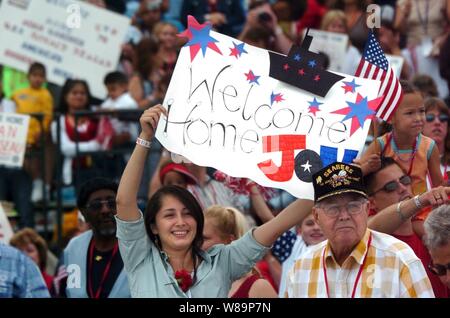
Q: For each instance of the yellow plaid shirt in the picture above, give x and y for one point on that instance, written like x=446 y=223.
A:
x=392 y=270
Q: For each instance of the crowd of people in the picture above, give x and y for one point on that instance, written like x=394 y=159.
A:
x=147 y=226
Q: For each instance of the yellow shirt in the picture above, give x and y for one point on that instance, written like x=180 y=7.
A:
x=391 y=270
x=29 y=100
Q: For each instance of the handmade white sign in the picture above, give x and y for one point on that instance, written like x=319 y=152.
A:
x=396 y=62
x=6 y=231
x=71 y=38
x=333 y=44
x=230 y=107
x=13 y=139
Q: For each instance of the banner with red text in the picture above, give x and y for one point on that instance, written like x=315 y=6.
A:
x=71 y=38
x=251 y=113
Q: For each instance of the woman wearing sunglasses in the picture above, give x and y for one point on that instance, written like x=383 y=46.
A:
x=437 y=239
x=437 y=128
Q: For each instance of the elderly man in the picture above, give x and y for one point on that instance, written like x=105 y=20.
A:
x=92 y=259
x=437 y=239
x=392 y=200
x=354 y=261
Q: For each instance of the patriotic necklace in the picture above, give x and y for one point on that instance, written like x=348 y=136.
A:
x=411 y=157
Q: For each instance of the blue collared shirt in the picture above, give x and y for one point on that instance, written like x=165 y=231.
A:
x=150 y=274
x=19 y=276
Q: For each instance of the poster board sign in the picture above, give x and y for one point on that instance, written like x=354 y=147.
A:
x=396 y=62
x=225 y=111
x=333 y=44
x=71 y=38
x=13 y=139
x=6 y=231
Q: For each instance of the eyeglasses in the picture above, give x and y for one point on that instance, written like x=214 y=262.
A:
x=392 y=186
x=430 y=118
x=96 y=205
x=439 y=270
x=353 y=207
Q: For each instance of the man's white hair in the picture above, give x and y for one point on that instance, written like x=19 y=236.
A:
x=437 y=227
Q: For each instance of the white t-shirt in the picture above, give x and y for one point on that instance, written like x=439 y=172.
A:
x=7 y=106
x=297 y=250
x=124 y=101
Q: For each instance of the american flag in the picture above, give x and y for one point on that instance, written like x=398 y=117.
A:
x=374 y=65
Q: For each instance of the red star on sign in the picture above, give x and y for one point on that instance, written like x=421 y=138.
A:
x=347 y=89
x=301 y=72
x=234 y=52
x=317 y=78
x=286 y=67
x=313 y=110
x=371 y=104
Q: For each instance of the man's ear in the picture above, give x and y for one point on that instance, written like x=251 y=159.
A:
x=372 y=203
x=315 y=214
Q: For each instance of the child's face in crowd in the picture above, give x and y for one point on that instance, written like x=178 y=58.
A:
x=116 y=90
x=77 y=97
x=36 y=79
x=409 y=118
x=211 y=235
x=174 y=178
x=311 y=232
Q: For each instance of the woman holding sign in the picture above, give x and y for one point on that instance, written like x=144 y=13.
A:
x=162 y=251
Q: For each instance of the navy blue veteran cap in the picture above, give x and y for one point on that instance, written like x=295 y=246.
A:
x=338 y=178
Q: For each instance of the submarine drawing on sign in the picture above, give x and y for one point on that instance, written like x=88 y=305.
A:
x=303 y=69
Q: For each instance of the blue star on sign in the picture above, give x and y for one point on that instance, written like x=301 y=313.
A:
x=238 y=50
x=360 y=110
x=312 y=63
x=350 y=86
x=202 y=38
x=314 y=103
x=297 y=57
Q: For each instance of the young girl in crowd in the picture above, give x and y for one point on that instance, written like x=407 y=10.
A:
x=416 y=154
x=224 y=225
x=162 y=253
x=309 y=234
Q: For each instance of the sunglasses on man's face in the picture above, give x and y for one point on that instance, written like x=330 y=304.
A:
x=392 y=186
x=96 y=205
x=439 y=270
x=430 y=118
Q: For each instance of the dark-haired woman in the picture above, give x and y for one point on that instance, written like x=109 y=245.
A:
x=162 y=251
x=90 y=133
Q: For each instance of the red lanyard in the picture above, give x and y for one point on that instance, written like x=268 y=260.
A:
x=388 y=141
x=358 y=276
x=105 y=271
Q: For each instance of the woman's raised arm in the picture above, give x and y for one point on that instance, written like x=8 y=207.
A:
x=127 y=208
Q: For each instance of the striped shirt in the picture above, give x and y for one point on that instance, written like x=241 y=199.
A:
x=391 y=270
